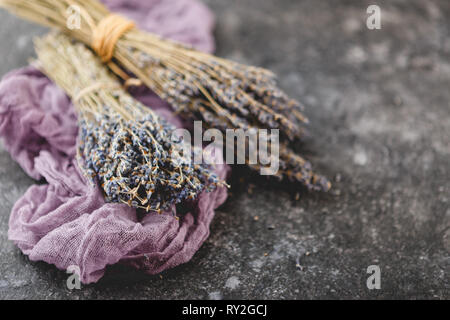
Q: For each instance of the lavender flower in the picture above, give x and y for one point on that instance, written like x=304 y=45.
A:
x=123 y=146
x=223 y=93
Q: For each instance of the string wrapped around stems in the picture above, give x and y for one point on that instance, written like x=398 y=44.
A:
x=222 y=93
x=124 y=146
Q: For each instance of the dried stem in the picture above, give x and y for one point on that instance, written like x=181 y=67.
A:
x=223 y=93
x=123 y=145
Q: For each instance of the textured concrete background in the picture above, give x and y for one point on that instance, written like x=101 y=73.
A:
x=379 y=107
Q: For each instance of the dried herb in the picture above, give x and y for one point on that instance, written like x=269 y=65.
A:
x=123 y=145
x=220 y=92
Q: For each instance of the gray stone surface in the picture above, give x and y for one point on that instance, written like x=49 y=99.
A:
x=380 y=127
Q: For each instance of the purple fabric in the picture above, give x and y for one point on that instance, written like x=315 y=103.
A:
x=66 y=222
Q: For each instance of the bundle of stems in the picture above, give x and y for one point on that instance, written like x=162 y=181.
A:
x=124 y=146
x=222 y=93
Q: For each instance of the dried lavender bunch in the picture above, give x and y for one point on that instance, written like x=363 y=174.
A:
x=222 y=93
x=123 y=145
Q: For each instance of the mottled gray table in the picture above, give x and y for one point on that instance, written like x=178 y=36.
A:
x=378 y=101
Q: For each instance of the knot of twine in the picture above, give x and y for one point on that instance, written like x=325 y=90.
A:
x=106 y=34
